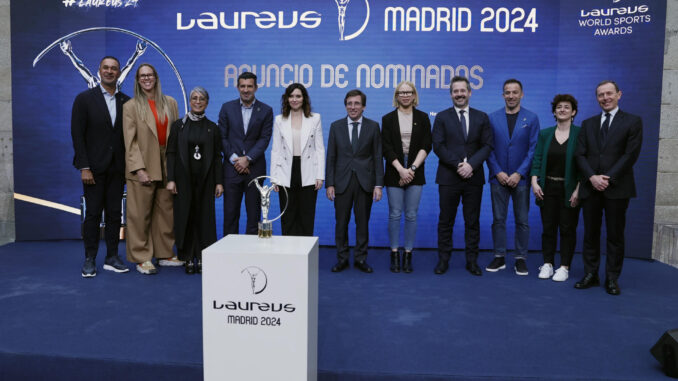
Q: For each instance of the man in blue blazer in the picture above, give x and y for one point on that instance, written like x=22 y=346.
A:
x=246 y=125
x=354 y=176
x=462 y=140
x=608 y=146
x=96 y=129
x=516 y=131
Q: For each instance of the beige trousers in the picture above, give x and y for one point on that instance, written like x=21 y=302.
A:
x=150 y=224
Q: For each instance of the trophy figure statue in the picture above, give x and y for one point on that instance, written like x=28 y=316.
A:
x=93 y=81
x=341 y=5
x=265 y=225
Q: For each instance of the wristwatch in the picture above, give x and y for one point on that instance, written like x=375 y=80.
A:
x=413 y=168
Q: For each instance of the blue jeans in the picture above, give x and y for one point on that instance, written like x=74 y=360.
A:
x=521 y=205
x=399 y=198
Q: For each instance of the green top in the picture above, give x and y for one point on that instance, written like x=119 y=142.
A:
x=539 y=162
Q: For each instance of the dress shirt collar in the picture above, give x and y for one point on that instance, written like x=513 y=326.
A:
x=360 y=121
x=106 y=93
x=242 y=105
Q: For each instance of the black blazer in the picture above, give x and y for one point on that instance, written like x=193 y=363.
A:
x=366 y=161
x=450 y=147
x=97 y=141
x=393 y=149
x=614 y=159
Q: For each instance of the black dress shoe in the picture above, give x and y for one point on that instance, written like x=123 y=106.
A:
x=441 y=267
x=363 y=266
x=612 y=287
x=473 y=268
x=407 y=262
x=589 y=280
x=189 y=266
x=340 y=266
x=395 y=261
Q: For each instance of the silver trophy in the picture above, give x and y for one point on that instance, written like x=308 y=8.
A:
x=265 y=225
x=341 y=5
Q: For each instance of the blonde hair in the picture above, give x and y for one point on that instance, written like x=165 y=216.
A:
x=415 y=94
x=161 y=101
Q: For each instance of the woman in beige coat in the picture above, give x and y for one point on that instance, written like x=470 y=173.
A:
x=146 y=121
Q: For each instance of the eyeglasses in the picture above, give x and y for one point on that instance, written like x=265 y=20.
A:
x=146 y=76
x=405 y=93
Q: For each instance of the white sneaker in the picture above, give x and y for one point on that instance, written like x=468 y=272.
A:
x=561 y=274
x=147 y=268
x=546 y=271
x=174 y=261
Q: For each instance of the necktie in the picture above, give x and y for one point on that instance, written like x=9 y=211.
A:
x=463 y=123
x=605 y=128
x=354 y=136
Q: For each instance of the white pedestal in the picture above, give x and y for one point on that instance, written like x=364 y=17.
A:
x=260 y=308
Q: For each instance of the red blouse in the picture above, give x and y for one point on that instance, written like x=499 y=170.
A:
x=160 y=127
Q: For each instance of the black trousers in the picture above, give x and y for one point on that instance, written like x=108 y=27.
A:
x=470 y=197
x=233 y=192
x=615 y=223
x=106 y=195
x=299 y=218
x=356 y=198
x=556 y=216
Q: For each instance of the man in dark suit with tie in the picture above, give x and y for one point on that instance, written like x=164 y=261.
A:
x=96 y=129
x=462 y=140
x=246 y=126
x=354 y=177
x=607 y=148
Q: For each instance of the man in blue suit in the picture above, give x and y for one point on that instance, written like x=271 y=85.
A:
x=516 y=131
x=246 y=126
x=462 y=140
x=354 y=175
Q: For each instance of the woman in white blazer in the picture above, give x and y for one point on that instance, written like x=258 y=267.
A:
x=298 y=160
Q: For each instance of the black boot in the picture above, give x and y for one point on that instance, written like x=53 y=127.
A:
x=395 y=261
x=189 y=266
x=407 y=262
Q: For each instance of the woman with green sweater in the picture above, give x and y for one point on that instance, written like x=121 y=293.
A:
x=555 y=184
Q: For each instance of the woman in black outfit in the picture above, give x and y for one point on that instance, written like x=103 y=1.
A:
x=406 y=141
x=195 y=177
x=555 y=184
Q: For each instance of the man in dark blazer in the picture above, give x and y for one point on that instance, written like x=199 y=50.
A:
x=96 y=129
x=607 y=148
x=462 y=140
x=246 y=125
x=354 y=177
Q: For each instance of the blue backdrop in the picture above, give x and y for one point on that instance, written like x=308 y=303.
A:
x=551 y=46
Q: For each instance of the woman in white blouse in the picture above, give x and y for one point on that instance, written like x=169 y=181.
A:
x=298 y=160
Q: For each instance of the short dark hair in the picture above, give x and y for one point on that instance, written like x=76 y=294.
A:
x=512 y=80
x=458 y=78
x=285 y=101
x=564 y=98
x=110 y=58
x=355 y=92
x=247 y=75
x=605 y=82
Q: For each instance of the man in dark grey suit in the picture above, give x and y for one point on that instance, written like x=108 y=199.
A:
x=354 y=177
x=462 y=140
x=96 y=129
x=607 y=148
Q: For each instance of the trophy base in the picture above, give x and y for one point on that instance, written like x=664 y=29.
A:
x=265 y=230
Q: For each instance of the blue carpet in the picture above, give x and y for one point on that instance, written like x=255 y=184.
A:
x=55 y=325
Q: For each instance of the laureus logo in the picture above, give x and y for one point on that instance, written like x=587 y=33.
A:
x=258 y=279
x=341 y=10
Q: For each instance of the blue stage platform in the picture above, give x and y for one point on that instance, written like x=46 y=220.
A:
x=55 y=325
